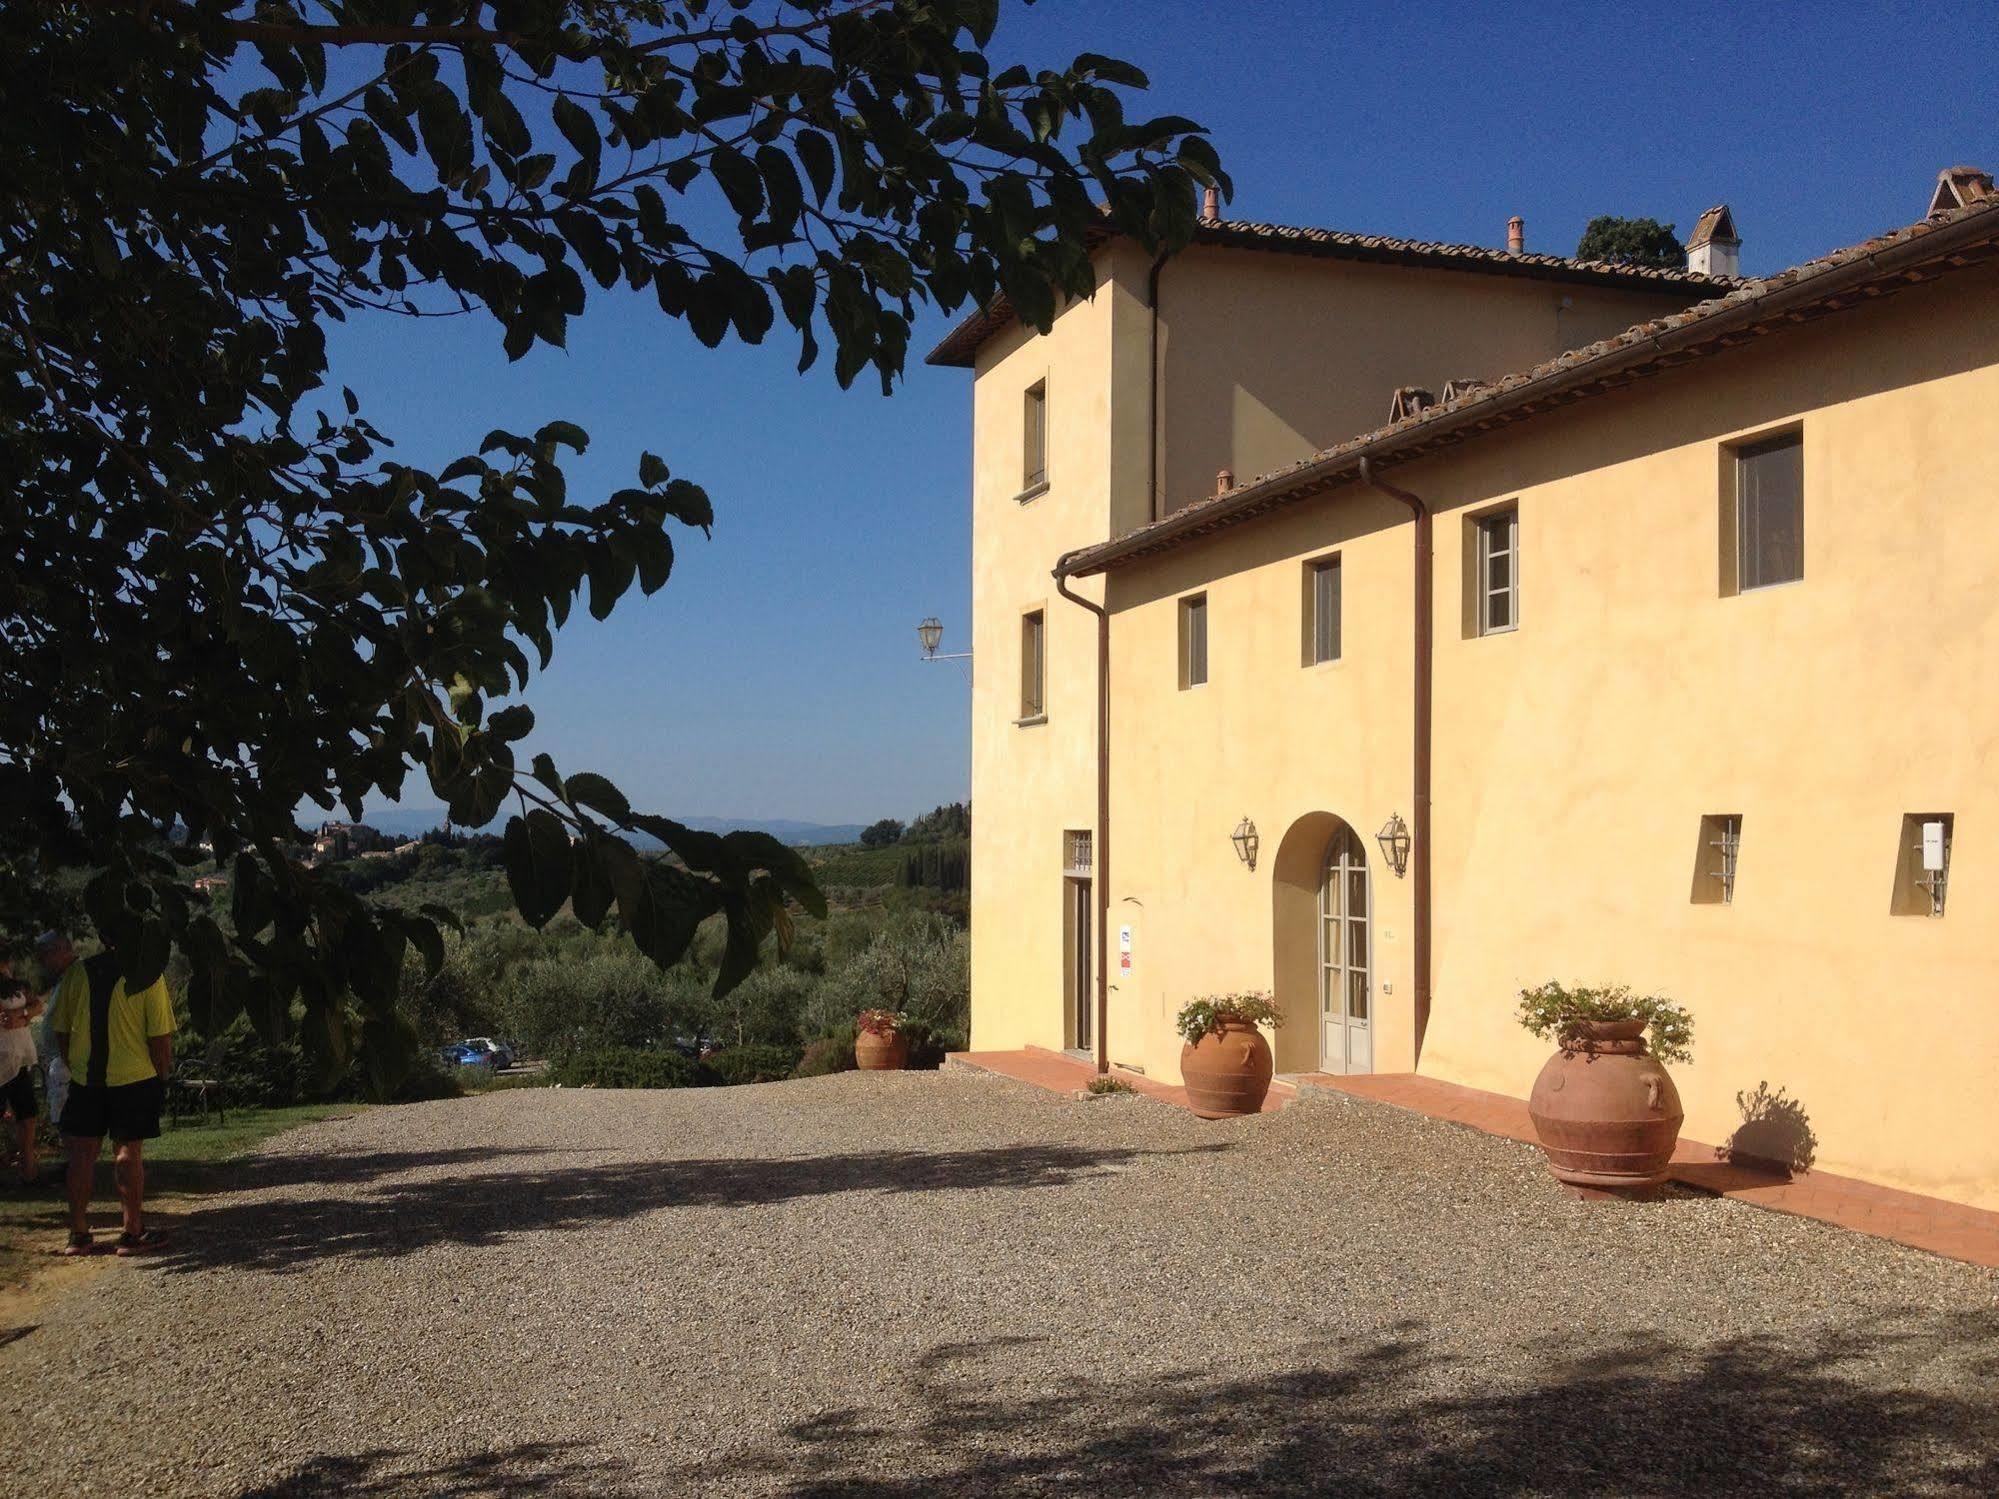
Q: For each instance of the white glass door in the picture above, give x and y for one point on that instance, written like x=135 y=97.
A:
x=1346 y=1000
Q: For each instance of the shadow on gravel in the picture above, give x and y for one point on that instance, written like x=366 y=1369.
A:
x=1644 y=1415
x=546 y=1470
x=285 y=1233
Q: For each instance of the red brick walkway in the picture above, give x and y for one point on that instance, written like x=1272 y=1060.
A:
x=1946 y=1228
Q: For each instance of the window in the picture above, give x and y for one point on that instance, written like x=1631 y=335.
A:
x=1322 y=611
x=1770 y=512
x=1077 y=851
x=1715 y=859
x=1922 y=864
x=1497 y=579
x=1033 y=668
x=1194 y=641
x=1034 y=438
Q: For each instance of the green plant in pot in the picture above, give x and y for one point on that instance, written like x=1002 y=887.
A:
x=1604 y=1106
x=879 y=1042
x=1225 y=1063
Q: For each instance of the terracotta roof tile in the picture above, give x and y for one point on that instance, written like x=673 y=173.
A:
x=1847 y=278
x=958 y=347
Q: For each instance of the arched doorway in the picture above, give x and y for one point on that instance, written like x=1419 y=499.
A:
x=1323 y=947
x=1346 y=988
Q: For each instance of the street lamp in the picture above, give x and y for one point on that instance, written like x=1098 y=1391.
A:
x=930 y=634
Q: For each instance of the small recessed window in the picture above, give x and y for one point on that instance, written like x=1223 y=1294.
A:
x=1715 y=859
x=1322 y=611
x=1033 y=666
x=1770 y=512
x=1194 y=640
x=1034 y=437
x=1922 y=864
x=1498 y=573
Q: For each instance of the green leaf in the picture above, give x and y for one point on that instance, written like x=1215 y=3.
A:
x=591 y=898
x=815 y=152
x=652 y=470
x=535 y=850
x=588 y=789
x=578 y=127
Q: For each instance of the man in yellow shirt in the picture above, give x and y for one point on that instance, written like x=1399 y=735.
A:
x=118 y=1048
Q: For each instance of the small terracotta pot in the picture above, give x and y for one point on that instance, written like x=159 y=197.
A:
x=874 y=1053
x=1227 y=1071
x=1607 y=1113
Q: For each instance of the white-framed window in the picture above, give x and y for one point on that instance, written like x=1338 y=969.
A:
x=1770 y=512
x=1322 y=611
x=1194 y=641
x=1034 y=437
x=1497 y=575
x=1033 y=667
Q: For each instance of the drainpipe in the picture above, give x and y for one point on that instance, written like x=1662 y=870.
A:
x=1423 y=643
x=1152 y=410
x=1100 y=852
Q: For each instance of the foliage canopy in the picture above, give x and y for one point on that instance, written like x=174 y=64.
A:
x=226 y=599
x=1632 y=242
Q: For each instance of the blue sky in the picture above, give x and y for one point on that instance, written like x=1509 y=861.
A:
x=777 y=673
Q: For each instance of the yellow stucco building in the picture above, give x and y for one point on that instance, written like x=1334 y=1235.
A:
x=1701 y=697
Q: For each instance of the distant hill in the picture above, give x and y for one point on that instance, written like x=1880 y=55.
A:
x=411 y=822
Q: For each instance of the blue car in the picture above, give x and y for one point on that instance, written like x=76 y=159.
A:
x=461 y=1055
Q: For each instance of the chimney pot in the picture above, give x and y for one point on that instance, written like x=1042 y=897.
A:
x=1516 y=235
x=1225 y=481
x=1211 y=204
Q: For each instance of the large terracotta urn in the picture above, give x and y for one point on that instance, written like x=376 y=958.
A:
x=1227 y=1071
x=1607 y=1113
x=879 y=1053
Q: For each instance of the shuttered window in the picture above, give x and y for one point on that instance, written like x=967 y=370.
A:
x=1194 y=640
x=1326 y=610
x=1034 y=437
x=1033 y=666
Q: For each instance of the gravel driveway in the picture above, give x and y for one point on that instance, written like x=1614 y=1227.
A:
x=952 y=1284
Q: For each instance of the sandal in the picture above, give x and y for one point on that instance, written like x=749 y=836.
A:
x=79 y=1245
x=143 y=1242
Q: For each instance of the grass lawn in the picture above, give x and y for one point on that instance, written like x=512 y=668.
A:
x=186 y=1160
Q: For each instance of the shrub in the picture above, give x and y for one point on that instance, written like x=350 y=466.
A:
x=752 y=1064
x=829 y=1054
x=1554 y=1012
x=1200 y=1017
x=929 y=1045
x=634 y=1067
x=1103 y=1084
x=427 y=1081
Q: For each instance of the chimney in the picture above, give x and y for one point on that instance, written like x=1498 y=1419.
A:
x=1407 y=401
x=1714 y=248
x=1516 y=235
x=1211 y=204
x=1225 y=481
x=1957 y=186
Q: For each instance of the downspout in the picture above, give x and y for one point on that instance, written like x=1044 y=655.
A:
x=1423 y=643
x=1100 y=852
x=1152 y=409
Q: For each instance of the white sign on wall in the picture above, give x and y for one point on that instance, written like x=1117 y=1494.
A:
x=1932 y=849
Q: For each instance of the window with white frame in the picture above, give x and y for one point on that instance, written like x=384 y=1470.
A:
x=1497 y=576
x=1033 y=667
x=1770 y=512
x=1322 y=606
x=1194 y=641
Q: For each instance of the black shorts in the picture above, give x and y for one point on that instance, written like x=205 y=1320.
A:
x=130 y=1111
x=18 y=1093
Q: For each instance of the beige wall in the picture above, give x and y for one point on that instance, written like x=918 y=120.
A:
x=1268 y=358
x=1039 y=779
x=1288 y=354
x=1576 y=755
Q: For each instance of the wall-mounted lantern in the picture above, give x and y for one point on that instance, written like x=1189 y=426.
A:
x=930 y=635
x=1394 y=841
x=1245 y=840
